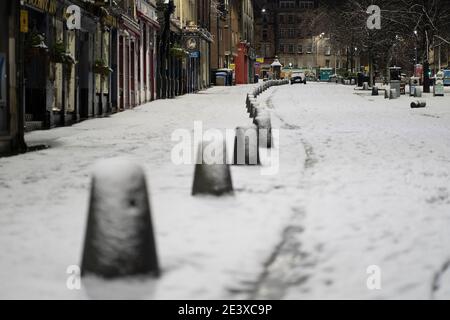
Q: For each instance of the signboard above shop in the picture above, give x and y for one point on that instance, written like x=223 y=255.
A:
x=48 y=6
x=194 y=54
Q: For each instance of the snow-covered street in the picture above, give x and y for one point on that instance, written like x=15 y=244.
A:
x=363 y=181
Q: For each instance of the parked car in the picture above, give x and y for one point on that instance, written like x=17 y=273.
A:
x=298 y=77
x=446 y=77
x=336 y=78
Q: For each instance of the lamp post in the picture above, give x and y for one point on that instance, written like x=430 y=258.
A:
x=317 y=48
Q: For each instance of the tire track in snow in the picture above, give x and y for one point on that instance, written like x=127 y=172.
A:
x=287 y=263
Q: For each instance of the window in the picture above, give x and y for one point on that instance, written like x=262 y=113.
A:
x=300 y=48
x=290 y=19
x=291 y=33
x=328 y=51
x=264 y=35
x=306 y=4
x=281 y=48
x=291 y=48
x=327 y=63
x=309 y=48
x=287 y=4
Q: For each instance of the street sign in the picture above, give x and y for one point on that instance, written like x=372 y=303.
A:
x=24 y=21
x=194 y=54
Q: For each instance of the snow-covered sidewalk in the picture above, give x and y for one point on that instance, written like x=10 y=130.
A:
x=208 y=247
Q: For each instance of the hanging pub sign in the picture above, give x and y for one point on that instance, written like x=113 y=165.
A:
x=48 y=6
x=73 y=14
x=24 y=21
x=110 y=21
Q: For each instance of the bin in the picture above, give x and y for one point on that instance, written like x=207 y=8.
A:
x=438 y=88
x=413 y=83
x=221 y=78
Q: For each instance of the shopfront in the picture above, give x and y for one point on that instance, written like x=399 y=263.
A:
x=38 y=75
x=128 y=38
x=8 y=104
x=146 y=51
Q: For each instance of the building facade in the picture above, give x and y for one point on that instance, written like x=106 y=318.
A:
x=283 y=31
x=11 y=117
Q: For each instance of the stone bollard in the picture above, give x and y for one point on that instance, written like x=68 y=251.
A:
x=418 y=104
x=264 y=130
x=119 y=239
x=418 y=92
x=260 y=111
x=253 y=107
x=212 y=172
x=250 y=106
x=386 y=93
x=374 y=91
x=247 y=100
x=246 y=146
x=366 y=86
x=392 y=94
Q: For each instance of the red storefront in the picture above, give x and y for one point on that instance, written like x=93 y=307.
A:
x=241 y=63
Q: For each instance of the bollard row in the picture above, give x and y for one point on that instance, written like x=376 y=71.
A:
x=119 y=239
x=266 y=85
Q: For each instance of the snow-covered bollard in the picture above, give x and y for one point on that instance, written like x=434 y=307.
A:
x=259 y=111
x=249 y=100
x=253 y=108
x=366 y=86
x=418 y=104
x=119 y=239
x=246 y=146
x=264 y=130
x=212 y=173
x=251 y=103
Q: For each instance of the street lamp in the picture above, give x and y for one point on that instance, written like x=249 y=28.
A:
x=317 y=48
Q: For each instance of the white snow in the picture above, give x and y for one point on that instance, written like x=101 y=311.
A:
x=376 y=192
x=363 y=181
x=208 y=247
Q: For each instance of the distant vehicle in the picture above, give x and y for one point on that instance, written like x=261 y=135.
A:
x=336 y=78
x=446 y=77
x=298 y=77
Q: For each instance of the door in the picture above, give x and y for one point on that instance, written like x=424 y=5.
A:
x=85 y=78
x=3 y=103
